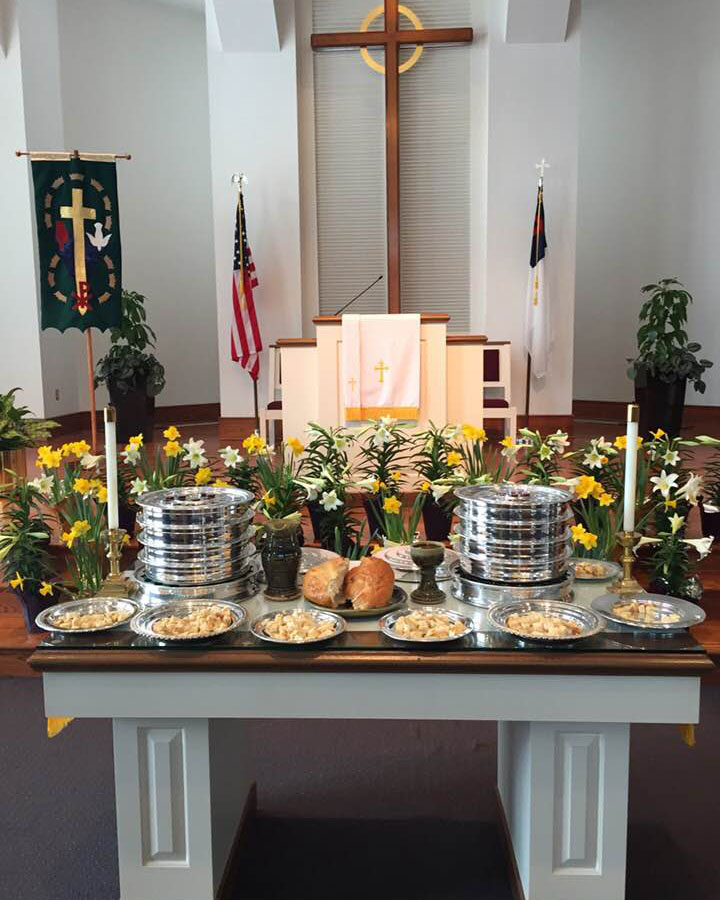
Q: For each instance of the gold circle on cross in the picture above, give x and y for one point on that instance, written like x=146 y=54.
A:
x=417 y=25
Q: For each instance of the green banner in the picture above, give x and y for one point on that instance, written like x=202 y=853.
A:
x=79 y=243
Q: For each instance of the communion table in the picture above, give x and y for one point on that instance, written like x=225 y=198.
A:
x=451 y=375
x=564 y=717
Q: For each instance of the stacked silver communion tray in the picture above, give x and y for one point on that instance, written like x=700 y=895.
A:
x=512 y=538
x=196 y=542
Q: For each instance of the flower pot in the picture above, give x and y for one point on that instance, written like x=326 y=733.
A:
x=710 y=519
x=661 y=404
x=437 y=520
x=135 y=413
x=32 y=605
x=280 y=556
x=127 y=514
x=374 y=518
x=316 y=513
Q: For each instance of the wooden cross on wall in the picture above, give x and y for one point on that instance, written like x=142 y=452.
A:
x=392 y=39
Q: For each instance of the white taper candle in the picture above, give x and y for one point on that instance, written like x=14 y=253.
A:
x=111 y=467
x=631 y=450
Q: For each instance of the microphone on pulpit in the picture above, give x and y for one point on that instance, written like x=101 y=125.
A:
x=357 y=296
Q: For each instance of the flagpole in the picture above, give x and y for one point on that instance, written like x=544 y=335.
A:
x=91 y=389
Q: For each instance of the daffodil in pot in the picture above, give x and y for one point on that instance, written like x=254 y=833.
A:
x=384 y=447
x=430 y=460
x=24 y=559
x=398 y=528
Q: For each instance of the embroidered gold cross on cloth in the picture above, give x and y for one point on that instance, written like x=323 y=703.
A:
x=381 y=366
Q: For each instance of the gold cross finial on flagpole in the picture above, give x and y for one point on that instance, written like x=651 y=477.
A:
x=382 y=368
x=541 y=166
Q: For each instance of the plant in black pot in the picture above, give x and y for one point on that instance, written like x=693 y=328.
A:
x=431 y=464
x=710 y=500
x=666 y=359
x=133 y=375
x=24 y=560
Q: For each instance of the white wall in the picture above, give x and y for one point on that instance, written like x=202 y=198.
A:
x=532 y=113
x=649 y=188
x=134 y=80
x=254 y=129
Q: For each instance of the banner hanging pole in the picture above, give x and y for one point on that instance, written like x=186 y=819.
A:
x=91 y=389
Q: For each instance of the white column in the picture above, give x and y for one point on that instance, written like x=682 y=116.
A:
x=162 y=786
x=564 y=792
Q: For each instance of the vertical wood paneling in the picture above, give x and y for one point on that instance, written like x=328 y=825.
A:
x=163 y=801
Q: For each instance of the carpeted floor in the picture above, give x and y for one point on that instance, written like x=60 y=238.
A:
x=57 y=833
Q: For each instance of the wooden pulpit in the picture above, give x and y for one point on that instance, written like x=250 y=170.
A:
x=451 y=376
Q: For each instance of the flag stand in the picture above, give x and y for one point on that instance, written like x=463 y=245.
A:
x=91 y=389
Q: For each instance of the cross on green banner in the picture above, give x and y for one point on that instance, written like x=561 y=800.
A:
x=78 y=243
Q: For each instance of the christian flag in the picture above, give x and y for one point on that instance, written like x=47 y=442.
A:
x=537 y=318
x=245 y=340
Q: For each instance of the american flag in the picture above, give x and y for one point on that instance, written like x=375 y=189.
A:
x=245 y=340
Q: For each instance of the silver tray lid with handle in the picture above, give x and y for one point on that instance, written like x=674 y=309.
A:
x=194 y=505
x=507 y=499
x=661 y=605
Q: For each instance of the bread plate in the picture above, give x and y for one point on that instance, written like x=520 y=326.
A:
x=589 y=622
x=610 y=569
x=347 y=612
x=144 y=621
x=689 y=613
x=257 y=628
x=91 y=605
x=388 y=622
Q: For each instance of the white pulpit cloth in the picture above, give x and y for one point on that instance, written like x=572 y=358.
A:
x=381 y=366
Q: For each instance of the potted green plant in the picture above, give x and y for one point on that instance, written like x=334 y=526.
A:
x=132 y=374
x=431 y=463
x=18 y=430
x=383 y=446
x=24 y=560
x=666 y=360
x=710 y=500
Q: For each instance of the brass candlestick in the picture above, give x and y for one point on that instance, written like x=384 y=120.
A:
x=627 y=583
x=115 y=584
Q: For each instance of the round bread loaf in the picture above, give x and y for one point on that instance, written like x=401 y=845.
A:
x=324 y=584
x=370 y=585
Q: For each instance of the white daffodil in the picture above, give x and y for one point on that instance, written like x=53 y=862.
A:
x=559 y=441
x=690 y=491
x=439 y=491
x=671 y=458
x=196 y=458
x=593 y=459
x=89 y=461
x=701 y=545
x=230 y=456
x=545 y=452
x=664 y=483
x=139 y=486
x=676 y=523
x=131 y=454
x=330 y=501
x=43 y=485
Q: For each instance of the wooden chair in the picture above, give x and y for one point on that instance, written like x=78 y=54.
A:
x=272 y=413
x=497 y=403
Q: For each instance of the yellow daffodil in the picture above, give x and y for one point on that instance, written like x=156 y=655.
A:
x=391 y=505
x=18 y=582
x=606 y=499
x=68 y=537
x=585 y=486
x=640 y=442
x=268 y=499
x=589 y=540
x=171 y=433
x=102 y=494
x=220 y=483
x=137 y=440
x=670 y=504
x=172 y=449
x=75 y=448
x=396 y=476
x=598 y=490
x=454 y=458
x=254 y=444
x=82 y=486
x=425 y=487
x=507 y=442
x=577 y=532
x=46 y=589
x=125 y=539
x=471 y=433
x=47 y=458
x=296 y=446
x=375 y=486
x=203 y=476
x=621 y=442
x=81 y=527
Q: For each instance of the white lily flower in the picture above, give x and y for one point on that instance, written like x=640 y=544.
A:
x=311 y=486
x=451 y=431
x=311 y=434
x=545 y=452
x=139 y=486
x=330 y=501
x=88 y=461
x=676 y=523
x=230 y=456
x=690 y=491
x=593 y=459
x=381 y=437
x=193 y=446
x=671 y=458
x=439 y=491
x=131 y=454
x=602 y=445
x=341 y=442
x=664 y=483
x=365 y=484
x=701 y=545
x=388 y=421
x=559 y=440
x=43 y=485
x=646 y=540
x=196 y=458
